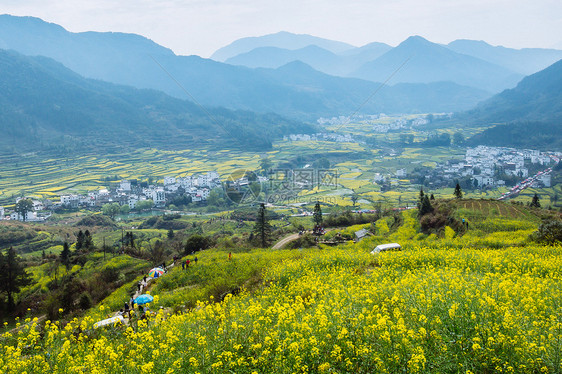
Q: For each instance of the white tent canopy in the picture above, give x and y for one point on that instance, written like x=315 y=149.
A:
x=386 y=247
x=109 y=321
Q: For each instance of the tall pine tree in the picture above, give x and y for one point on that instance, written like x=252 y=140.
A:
x=262 y=227
x=65 y=255
x=79 y=240
x=317 y=215
x=536 y=201
x=12 y=276
x=88 y=242
x=458 y=191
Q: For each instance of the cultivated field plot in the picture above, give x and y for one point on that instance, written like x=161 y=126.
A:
x=42 y=175
x=45 y=175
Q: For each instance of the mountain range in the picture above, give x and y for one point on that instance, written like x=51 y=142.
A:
x=42 y=102
x=424 y=62
x=135 y=89
x=282 y=40
x=136 y=61
x=466 y=62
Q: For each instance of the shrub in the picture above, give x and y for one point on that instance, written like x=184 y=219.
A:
x=549 y=232
x=196 y=243
x=96 y=220
x=85 y=301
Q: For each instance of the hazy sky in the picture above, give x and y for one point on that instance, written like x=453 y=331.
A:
x=202 y=26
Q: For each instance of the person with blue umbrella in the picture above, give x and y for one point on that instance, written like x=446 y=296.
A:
x=144 y=299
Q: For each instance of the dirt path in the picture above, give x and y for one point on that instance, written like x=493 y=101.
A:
x=281 y=243
x=39 y=320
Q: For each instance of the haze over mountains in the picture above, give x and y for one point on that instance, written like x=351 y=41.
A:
x=537 y=97
x=136 y=61
x=527 y=116
x=465 y=62
x=41 y=101
x=297 y=76
x=282 y=39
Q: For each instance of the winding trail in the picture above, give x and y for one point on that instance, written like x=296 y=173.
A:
x=289 y=238
x=286 y=240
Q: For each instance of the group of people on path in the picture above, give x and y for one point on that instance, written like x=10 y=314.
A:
x=185 y=264
x=130 y=308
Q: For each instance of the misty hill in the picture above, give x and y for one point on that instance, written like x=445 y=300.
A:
x=273 y=57
x=537 y=97
x=289 y=92
x=41 y=101
x=530 y=114
x=368 y=52
x=430 y=62
x=320 y=59
x=283 y=40
x=92 y=54
x=342 y=96
x=524 y=61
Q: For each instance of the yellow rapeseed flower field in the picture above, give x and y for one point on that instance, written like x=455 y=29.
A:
x=446 y=307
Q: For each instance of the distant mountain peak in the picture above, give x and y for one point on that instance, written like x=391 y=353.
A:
x=297 y=66
x=29 y=21
x=470 y=41
x=282 y=39
x=416 y=40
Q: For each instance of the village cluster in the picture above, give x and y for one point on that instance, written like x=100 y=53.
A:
x=484 y=166
x=130 y=193
x=327 y=137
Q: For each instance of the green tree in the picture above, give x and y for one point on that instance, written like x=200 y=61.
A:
x=23 y=207
x=144 y=204
x=80 y=240
x=458 y=191
x=171 y=234
x=549 y=232
x=129 y=239
x=111 y=210
x=88 y=241
x=535 y=202
x=157 y=253
x=262 y=227
x=215 y=197
x=265 y=165
x=317 y=215
x=12 y=275
x=354 y=198
x=65 y=256
x=196 y=243
x=424 y=206
x=124 y=209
